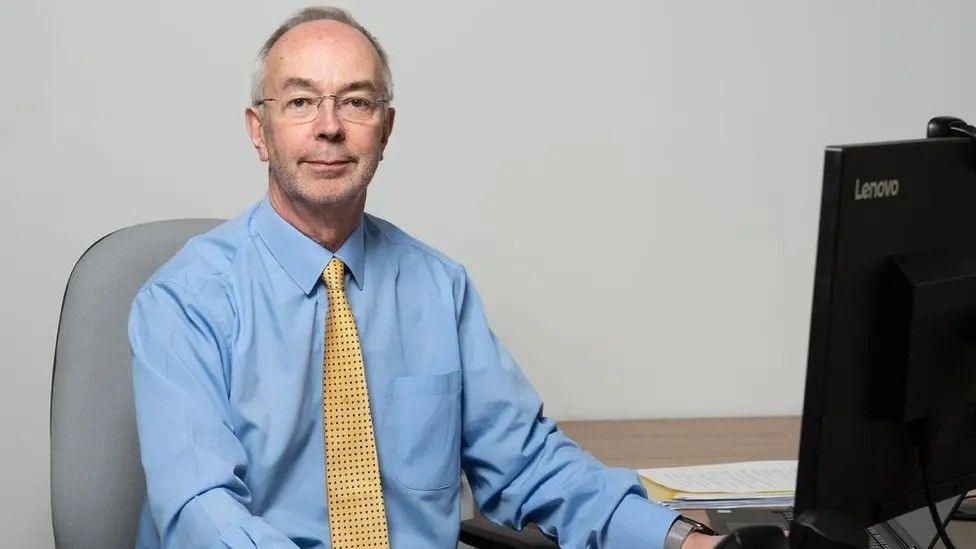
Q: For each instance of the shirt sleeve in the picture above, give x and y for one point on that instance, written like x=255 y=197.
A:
x=194 y=463
x=522 y=468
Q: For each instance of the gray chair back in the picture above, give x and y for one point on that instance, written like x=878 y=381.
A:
x=97 y=481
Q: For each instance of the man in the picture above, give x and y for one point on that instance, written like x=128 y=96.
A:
x=308 y=375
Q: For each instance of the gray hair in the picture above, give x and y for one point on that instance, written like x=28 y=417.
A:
x=326 y=13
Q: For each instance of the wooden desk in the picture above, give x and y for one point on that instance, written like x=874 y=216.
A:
x=639 y=444
x=644 y=443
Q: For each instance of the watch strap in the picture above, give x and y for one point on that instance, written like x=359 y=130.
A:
x=680 y=529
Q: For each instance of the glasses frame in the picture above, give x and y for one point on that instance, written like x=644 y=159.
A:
x=319 y=99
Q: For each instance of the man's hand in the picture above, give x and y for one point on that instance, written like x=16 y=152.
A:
x=697 y=540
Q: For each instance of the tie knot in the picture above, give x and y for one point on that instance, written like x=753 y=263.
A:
x=332 y=276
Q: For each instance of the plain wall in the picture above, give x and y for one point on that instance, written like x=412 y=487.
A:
x=634 y=186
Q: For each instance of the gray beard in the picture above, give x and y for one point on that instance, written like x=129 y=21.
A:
x=288 y=182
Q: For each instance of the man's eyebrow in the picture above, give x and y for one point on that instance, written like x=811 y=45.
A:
x=297 y=82
x=306 y=83
x=357 y=86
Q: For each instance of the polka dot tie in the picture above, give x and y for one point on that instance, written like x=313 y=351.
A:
x=357 y=517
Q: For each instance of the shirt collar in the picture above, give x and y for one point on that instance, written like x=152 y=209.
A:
x=303 y=258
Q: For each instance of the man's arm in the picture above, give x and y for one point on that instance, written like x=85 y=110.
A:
x=193 y=461
x=523 y=469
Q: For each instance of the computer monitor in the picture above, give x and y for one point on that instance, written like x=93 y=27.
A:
x=892 y=351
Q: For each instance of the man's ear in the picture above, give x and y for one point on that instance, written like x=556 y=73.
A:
x=255 y=130
x=387 y=128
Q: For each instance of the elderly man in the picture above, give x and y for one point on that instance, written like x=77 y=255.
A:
x=309 y=375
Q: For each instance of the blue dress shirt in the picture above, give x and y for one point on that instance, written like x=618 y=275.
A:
x=227 y=342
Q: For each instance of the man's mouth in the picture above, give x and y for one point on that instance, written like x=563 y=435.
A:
x=328 y=161
x=329 y=167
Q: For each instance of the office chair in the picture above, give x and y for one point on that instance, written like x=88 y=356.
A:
x=97 y=481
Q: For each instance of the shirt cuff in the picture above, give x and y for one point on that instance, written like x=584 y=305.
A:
x=639 y=522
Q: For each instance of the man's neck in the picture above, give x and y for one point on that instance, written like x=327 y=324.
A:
x=329 y=225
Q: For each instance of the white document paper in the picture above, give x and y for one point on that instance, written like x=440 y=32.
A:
x=749 y=477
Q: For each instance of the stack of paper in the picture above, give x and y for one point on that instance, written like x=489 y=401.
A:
x=727 y=485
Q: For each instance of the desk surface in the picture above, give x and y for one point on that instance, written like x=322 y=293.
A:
x=642 y=443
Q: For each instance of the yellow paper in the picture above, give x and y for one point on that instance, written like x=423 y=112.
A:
x=656 y=492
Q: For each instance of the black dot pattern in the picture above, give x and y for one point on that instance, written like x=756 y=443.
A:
x=357 y=516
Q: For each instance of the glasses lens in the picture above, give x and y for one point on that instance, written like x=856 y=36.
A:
x=300 y=108
x=357 y=108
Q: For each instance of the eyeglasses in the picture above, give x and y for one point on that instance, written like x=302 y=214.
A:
x=352 y=107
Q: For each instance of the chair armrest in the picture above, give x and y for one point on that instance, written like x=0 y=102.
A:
x=482 y=533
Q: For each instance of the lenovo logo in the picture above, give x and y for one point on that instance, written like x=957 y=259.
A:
x=869 y=190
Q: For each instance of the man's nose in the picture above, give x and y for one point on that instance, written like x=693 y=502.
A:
x=328 y=125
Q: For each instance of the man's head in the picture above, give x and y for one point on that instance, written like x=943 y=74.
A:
x=330 y=157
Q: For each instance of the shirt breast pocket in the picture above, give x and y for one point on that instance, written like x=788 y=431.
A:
x=424 y=419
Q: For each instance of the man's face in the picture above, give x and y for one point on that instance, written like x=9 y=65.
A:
x=327 y=160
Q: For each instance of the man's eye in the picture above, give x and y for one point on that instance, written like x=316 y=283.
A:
x=358 y=102
x=300 y=102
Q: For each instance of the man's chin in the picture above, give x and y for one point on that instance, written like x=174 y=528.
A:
x=318 y=194
x=316 y=189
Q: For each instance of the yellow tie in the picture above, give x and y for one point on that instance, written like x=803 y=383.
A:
x=357 y=517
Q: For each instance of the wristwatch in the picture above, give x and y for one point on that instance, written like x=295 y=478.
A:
x=680 y=529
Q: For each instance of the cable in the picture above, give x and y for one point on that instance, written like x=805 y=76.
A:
x=964 y=129
x=941 y=533
x=965 y=515
x=935 y=512
x=922 y=432
x=948 y=518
